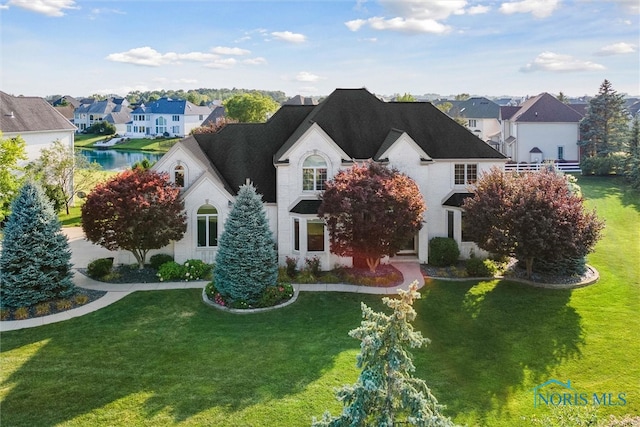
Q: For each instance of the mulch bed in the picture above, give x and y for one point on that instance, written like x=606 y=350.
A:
x=91 y=295
x=127 y=274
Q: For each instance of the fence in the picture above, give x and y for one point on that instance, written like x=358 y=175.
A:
x=568 y=167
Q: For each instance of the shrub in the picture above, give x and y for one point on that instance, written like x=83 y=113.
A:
x=100 y=267
x=477 y=267
x=274 y=295
x=283 y=275
x=292 y=266
x=21 y=313
x=171 y=271
x=157 y=260
x=603 y=166
x=196 y=269
x=43 y=309
x=561 y=267
x=63 y=304
x=313 y=265
x=5 y=313
x=443 y=251
x=81 y=299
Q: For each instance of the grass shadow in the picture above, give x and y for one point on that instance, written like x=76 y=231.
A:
x=601 y=187
x=489 y=338
x=183 y=356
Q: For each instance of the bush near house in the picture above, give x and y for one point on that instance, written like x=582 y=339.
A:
x=443 y=251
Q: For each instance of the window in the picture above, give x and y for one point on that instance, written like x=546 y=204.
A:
x=129 y=129
x=450 y=224
x=207 y=218
x=175 y=118
x=560 y=152
x=315 y=236
x=178 y=176
x=314 y=173
x=472 y=123
x=175 y=129
x=465 y=174
x=161 y=125
x=296 y=234
x=463 y=226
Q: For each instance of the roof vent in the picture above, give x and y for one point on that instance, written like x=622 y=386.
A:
x=12 y=115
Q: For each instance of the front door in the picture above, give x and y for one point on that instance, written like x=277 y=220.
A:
x=409 y=248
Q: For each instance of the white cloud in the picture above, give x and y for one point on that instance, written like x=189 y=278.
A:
x=255 y=61
x=305 y=76
x=538 y=8
x=290 y=37
x=629 y=6
x=223 y=63
x=478 y=10
x=425 y=9
x=356 y=24
x=549 y=61
x=150 y=57
x=409 y=25
x=230 y=51
x=46 y=7
x=616 y=49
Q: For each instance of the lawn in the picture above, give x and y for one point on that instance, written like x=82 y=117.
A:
x=164 y=358
x=141 y=144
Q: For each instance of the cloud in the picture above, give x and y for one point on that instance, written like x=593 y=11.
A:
x=400 y=24
x=230 y=51
x=150 y=57
x=549 y=61
x=478 y=10
x=255 y=61
x=305 y=76
x=616 y=49
x=629 y=6
x=538 y=8
x=290 y=37
x=425 y=9
x=222 y=63
x=53 y=8
x=95 y=12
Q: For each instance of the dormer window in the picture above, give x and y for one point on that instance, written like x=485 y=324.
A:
x=314 y=173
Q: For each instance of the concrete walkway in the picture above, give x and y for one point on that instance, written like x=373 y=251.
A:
x=116 y=291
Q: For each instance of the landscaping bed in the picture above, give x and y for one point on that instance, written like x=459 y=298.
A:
x=81 y=297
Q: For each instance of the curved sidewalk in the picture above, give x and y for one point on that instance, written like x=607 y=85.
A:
x=116 y=291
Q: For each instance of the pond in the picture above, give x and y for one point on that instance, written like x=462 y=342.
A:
x=118 y=159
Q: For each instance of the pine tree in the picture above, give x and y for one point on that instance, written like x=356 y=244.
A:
x=604 y=128
x=246 y=262
x=386 y=394
x=34 y=265
x=632 y=171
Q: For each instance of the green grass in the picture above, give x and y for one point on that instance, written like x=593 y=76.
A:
x=164 y=358
x=141 y=144
x=73 y=219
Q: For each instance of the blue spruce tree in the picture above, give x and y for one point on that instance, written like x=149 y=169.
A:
x=246 y=262
x=35 y=261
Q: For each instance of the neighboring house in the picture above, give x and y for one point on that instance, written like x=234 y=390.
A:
x=36 y=121
x=119 y=119
x=541 y=129
x=67 y=100
x=96 y=111
x=67 y=111
x=166 y=116
x=481 y=115
x=290 y=157
x=217 y=114
x=300 y=100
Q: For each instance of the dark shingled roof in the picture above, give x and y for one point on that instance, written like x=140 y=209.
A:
x=457 y=199
x=546 y=108
x=358 y=122
x=30 y=114
x=307 y=207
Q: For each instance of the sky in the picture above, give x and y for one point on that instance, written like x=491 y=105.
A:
x=307 y=47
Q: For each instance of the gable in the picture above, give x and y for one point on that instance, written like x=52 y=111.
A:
x=546 y=108
x=30 y=114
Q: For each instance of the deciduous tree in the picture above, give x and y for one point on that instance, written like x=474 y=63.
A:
x=35 y=262
x=137 y=210
x=12 y=151
x=604 y=129
x=386 y=393
x=531 y=216
x=407 y=97
x=246 y=262
x=371 y=211
x=250 y=107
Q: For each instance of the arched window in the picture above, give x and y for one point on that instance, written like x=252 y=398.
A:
x=207 y=218
x=178 y=176
x=314 y=173
x=161 y=125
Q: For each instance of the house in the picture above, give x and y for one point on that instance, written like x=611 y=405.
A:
x=541 y=129
x=119 y=120
x=300 y=100
x=481 y=115
x=36 y=121
x=290 y=157
x=166 y=117
x=67 y=101
x=92 y=112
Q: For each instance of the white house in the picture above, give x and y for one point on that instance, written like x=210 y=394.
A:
x=541 y=129
x=166 y=116
x=36 y=121
x=113 y=110
x=290 y=157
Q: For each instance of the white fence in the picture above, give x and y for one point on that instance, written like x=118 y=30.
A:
x=569 y=167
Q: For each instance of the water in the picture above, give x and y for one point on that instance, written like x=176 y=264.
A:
x=118 y=159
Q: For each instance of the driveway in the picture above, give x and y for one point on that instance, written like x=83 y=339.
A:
x=82 y=250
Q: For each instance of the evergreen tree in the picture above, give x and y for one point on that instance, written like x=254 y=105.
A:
x=246 y=262
x=34 y=265
x=632 y=171
x=604 y=128
x=386 y=394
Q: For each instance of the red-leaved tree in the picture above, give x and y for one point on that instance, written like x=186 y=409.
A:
x=530 y=216
x=371 y=211
x=137 y=210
